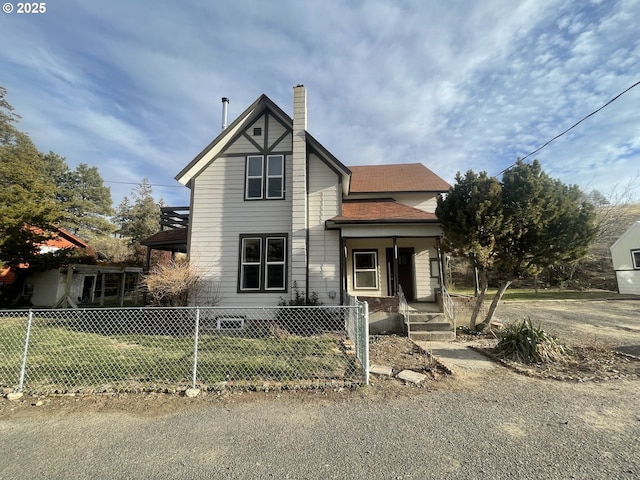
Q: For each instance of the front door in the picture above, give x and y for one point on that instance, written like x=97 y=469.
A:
x=405 y=272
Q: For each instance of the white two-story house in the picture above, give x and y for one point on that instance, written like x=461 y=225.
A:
x=272 y=211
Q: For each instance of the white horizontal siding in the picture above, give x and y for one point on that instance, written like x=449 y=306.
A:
x=628 y=282
x=324 y=245
x=426 y=202
x=220 y=215
x=379 y=245
x=259 y=123
x=621 y=250
x=243 y=146
x=275 y=131
x=424 y=250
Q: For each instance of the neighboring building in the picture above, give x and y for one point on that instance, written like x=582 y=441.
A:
x=625 y=254
x=272 y=211
x=70 y=284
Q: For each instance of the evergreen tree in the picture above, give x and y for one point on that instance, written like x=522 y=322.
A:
x=141 y=218
x=473 y=223
x=28 y=208
x=83 y=197
x=526 y=223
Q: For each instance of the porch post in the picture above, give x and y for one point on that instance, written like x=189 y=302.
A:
x=102 y=288
x=441 y=262
x=123 y=283
x=396 y=283
x=67 y=286
x=344 y=288
x=148 y=258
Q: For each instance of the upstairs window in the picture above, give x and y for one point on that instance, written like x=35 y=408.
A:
x=635 y=255
x=255 y=176
x=264 y=177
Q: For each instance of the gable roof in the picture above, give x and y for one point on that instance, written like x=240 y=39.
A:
x=67 y=239
x=404 y=177
x=60 y=239
x=243 y=121
x=381 y=211
x=634 y=226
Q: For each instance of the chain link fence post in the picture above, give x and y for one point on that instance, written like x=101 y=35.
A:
x=195 y=348
x=365 y=330
x=23 y=367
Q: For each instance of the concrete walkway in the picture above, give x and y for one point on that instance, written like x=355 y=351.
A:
x=457 y=356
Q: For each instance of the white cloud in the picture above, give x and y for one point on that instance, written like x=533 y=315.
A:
x=135 y=88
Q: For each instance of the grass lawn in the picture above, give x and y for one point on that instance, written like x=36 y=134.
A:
x=529 y=294
x=69 y=358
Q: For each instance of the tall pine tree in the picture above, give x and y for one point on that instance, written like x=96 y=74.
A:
x=28 y=207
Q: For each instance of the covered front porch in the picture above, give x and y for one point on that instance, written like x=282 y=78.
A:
x=396 y=266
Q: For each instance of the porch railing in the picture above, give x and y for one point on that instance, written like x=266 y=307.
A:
x=174 y=217
x=448 y=307
x=403 y=306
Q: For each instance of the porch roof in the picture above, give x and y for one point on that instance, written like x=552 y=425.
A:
x=380 y=211
x=174 y=240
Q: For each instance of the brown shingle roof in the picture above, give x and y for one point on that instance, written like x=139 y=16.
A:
x=173 y=239
x=381 y=211
x=404 y=177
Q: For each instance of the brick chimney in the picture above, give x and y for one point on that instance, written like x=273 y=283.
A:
x=299 y=190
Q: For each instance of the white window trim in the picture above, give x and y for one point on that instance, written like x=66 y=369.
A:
x=253 y=177
x=243 y=262
x=636 y=265
x=267 y=263
x=374 y=269
x=280 y=176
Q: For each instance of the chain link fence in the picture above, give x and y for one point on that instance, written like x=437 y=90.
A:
x=165 y=349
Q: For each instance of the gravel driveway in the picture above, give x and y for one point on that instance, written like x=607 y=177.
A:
x=495 y=424
x=612 y=322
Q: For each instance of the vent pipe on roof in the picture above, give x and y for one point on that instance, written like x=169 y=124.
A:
x=225 y=106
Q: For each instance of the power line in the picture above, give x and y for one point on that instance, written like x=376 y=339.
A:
x=150 y=184
x=572 y=126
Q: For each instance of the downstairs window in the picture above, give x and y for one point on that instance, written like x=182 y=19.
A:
x=263 y=263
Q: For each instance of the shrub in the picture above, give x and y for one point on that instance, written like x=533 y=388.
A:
x=307 y=321
x=524 y=343
x=169 y=285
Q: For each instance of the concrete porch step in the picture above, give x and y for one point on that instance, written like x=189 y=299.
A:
x=432 y=336
x=426 y=317
x=430 y=326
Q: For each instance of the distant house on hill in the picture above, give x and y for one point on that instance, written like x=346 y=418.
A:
x=625 y=254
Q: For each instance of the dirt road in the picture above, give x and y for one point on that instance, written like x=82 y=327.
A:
x=498 y=425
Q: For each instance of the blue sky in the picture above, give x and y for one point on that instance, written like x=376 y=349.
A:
x=134 y=88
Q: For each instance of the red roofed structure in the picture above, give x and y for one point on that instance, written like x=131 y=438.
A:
x=403 y=177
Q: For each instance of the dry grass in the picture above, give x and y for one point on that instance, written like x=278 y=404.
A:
x=170 y=284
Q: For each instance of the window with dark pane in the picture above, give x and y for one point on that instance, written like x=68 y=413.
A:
x=275 y=263
x=254 y=177
x=263 y=263
x=275 y=176
x=251 y=263
x=365 y=270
